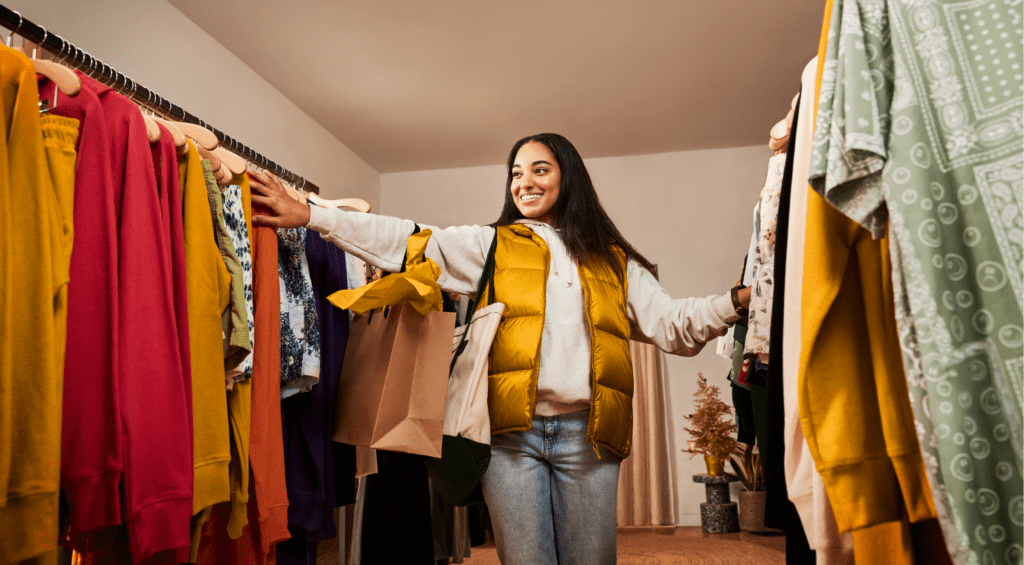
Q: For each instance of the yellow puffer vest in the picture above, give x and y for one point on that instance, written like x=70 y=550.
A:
x=520 y=282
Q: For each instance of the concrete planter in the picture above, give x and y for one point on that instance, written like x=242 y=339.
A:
x=752 y=511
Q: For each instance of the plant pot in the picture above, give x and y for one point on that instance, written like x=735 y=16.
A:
x=716 y=467
x=752 y=511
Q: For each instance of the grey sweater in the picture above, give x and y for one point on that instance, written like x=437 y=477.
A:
x=678 y=326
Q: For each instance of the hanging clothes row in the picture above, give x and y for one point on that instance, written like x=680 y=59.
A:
x=921 y=146
x=150 y=335
x=891 y=415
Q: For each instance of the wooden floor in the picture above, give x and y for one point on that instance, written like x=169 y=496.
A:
x=650 y=546
x=679 y=546
x=771 y=541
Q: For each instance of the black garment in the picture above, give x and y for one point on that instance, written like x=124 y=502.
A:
x=798 y=551
x=929 y=543
x=743 y=402
x=759 y=403
x=451 y=529
x=479 y=523
x=775 y=446
x=396 y=517
x=297 y=550
x=779 y=511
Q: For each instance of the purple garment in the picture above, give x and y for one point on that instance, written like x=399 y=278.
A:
x=320 y=474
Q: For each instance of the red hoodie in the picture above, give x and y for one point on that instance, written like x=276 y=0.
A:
x=165 y=163
x=153 y=392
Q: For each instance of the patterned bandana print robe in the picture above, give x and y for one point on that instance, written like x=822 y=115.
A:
x=919 y=131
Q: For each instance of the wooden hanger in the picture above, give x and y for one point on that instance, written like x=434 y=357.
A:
x=179 y=136
x=234 y=163
x=62 y=77
x=779 y=136
x=66 y=80
x=354 y=203
x=224 y=175
x=220 y=170
x=180 y=131
x=297 y=195
x=214 y=160
x=202 y=136
x=152 y=130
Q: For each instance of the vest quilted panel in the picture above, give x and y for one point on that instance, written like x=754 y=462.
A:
x=612 y=363
x=611 y=420
x=521 y=269
x=528 y=286
x=615 y=317
x=611 y=412
x=507 y=349
x=511 y=400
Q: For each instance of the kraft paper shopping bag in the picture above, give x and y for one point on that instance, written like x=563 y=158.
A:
x=392 y=392
x=395 y=374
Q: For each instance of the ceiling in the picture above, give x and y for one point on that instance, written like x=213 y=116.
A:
x=435 y=84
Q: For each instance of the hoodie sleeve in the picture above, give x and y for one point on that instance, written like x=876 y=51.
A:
x=679 y=326
x=460 y=251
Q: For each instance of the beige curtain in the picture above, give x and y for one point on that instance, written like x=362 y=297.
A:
x=645 y=484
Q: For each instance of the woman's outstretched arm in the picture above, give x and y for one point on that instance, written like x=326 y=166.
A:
x=680 y=326
x=459 y=251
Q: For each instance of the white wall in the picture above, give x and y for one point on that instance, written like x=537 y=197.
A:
x=152 y=42
x=688 y=212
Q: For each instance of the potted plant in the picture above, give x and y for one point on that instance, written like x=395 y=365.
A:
x=752 y=498
x=713 y=431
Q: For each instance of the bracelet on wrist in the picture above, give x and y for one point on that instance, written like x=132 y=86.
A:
x=735 y=295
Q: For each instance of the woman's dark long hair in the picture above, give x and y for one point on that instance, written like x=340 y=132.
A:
x=583 y=224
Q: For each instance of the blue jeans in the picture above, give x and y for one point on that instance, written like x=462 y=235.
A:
x=552 y=501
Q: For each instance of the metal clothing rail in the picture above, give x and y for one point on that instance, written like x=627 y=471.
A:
x=71 y=55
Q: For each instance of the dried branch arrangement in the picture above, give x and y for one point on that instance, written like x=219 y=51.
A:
x=711 y=435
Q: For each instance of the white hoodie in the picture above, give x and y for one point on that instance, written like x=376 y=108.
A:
x=680 y=326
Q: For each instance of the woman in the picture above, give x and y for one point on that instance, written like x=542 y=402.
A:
x=561 y=377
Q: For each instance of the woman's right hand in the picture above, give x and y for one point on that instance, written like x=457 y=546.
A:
x=268 y=191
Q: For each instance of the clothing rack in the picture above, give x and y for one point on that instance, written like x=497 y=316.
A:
x=70 y=55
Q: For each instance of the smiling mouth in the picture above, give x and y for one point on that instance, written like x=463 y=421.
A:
x=529 y=197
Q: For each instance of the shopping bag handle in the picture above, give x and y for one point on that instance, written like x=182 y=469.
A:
x=486 y=282
x=405 y=257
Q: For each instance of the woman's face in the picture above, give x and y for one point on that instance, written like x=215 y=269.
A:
x=535 y=181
